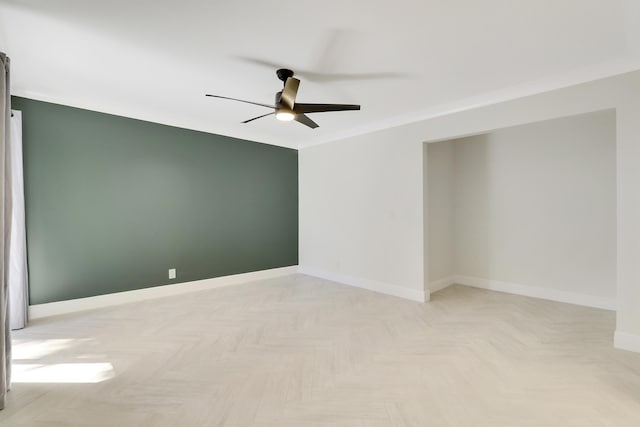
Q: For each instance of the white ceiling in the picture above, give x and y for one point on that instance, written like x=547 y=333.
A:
x=155 y=60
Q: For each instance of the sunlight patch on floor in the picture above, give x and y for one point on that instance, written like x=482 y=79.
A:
x=37 y=349
x=62 y=373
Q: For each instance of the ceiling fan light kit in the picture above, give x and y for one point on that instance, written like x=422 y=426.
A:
x=285 y=116
x=286 y=109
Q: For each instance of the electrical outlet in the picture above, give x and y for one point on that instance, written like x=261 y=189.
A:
x=172 y=273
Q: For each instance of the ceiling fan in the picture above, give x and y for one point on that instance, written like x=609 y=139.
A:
x=286 y=108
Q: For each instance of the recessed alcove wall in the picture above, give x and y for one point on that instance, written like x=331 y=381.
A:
x=529 y=209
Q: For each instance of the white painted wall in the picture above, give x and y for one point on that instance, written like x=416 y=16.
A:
x=535 y=205
x=439 y=158
x=361 y=208
x=628 y=184
x=361 y=202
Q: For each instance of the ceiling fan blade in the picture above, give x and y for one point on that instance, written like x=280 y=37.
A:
x=320 y=108
x=301 y=118
x=259 y=117
x=242 y=100
x=346 y=77
x=327 y=77
x=261 y=62
x=289 y=92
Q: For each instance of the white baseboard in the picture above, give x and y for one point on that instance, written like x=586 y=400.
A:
x=438 y=285
x=372 y=285
x=81 y=304
x=537 y=292
x=625 y=341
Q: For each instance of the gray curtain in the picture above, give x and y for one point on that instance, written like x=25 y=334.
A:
x=5 y=231
x=17 y=269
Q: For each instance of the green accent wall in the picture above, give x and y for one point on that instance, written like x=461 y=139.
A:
x=112 y=203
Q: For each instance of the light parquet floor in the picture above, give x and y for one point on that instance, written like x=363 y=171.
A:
x=301 y=351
